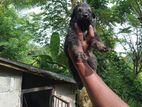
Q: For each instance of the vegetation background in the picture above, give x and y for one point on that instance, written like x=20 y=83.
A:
x=37 y=38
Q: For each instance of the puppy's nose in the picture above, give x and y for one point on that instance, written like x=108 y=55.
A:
x=85 y=15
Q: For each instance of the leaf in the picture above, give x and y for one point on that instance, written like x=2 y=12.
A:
x=62 y=59
x=54 y=44
x=133 y=20
x=125 y=30
x=44 y=61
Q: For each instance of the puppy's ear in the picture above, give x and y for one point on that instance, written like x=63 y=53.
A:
x=74 y=12
x=93 y=15
x=72 y=15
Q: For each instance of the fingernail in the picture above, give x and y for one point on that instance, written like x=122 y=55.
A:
x=90 y=26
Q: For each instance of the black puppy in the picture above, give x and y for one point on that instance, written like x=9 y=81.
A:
x=83 y=16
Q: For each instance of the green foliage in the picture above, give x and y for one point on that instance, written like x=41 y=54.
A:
x=23 y=3
x=13 y=36
x=120 y=78
x=117 y=71
x=53 y=18
x=138 y=82
x=17 y=37
x=54 y=45
x=51 y=57
x=132 y=20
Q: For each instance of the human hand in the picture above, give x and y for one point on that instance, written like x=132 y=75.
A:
x=90 y=35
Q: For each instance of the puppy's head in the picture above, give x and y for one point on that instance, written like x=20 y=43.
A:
x=83 y=16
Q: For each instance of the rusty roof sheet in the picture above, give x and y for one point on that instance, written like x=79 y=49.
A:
x=18 y=66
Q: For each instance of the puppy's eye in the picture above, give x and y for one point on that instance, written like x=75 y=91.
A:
x=89 y=10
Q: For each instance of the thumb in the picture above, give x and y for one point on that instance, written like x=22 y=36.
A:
x=90 y=34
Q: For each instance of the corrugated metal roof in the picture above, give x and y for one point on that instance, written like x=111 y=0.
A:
x=18 y=66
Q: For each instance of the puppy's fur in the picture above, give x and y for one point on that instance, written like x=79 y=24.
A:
x=83 y=16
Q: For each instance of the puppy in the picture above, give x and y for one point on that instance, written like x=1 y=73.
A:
x=83 y=16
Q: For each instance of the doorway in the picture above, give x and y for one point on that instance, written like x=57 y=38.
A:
x=36 y=98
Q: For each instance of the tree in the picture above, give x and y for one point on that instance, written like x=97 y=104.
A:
x=114 y=69
x=13 y=35
x=132 y=17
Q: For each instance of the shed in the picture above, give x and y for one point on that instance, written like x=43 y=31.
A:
x=23 y=85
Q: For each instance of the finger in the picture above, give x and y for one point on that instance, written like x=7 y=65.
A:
x=91 y=31
x=85 y=46
x=90 y=34
x=79 y=32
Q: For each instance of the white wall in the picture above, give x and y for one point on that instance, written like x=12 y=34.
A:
x=10 y=89
x=66 y=92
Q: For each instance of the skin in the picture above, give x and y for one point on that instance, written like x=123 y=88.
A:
x=100 y=94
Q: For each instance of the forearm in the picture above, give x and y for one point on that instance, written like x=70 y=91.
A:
x=99 y=93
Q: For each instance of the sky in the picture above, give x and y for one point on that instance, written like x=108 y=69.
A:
x=27 y=11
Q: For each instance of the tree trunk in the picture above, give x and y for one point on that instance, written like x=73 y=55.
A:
x=75 y=2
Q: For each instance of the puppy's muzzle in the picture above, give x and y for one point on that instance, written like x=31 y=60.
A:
x=85 y=16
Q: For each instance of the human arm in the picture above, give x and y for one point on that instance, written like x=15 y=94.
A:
x=100 y=94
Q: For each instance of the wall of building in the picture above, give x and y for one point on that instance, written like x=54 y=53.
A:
x=10 y=89
x=66 y=92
